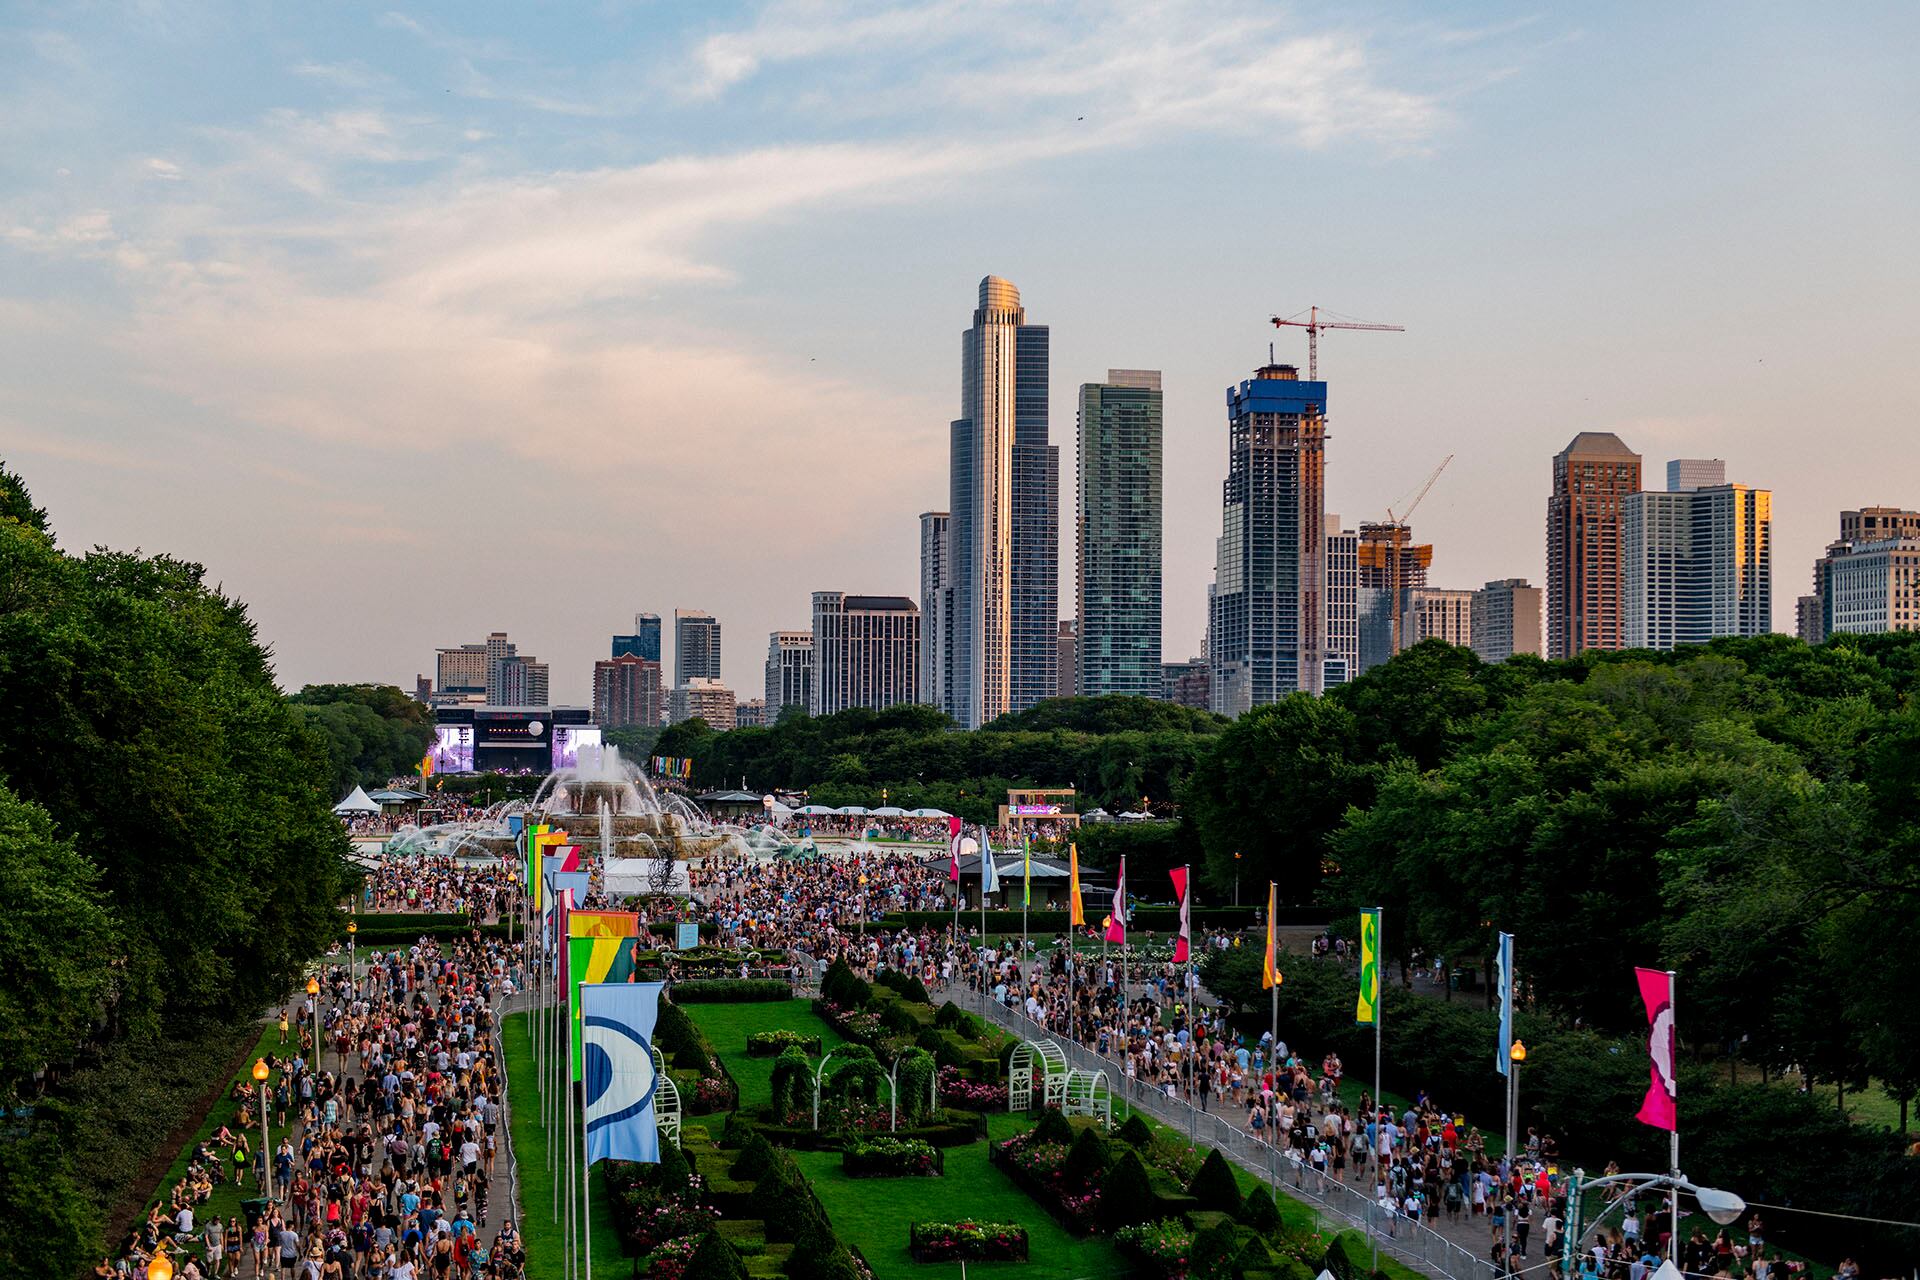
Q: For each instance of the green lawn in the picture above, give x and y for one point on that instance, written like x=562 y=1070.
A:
x=545 y=1238
x=727 y=1027
x=873 y=1213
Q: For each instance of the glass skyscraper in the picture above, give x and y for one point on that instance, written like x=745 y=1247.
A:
x=1004 y=523
x=1117 y=535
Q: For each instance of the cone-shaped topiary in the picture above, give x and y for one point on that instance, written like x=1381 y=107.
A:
x=755 y=1158
x=1126 y=1197
x=1260 y=1213
x=1213 y=1185
x=1052 y=1127
x=673 y=1171
x=1136 y=1132
x=714 y=1259
x=1087 y=1159
x=1216 y=1253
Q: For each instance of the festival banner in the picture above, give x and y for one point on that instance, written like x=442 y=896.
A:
x=596 y=960
x=1026 y=851
x=1270 y=971
x=1078 y=919
x=1117 y=921
x=1366 y=1011
x=1503 y=976
x=1183 y=944
x=1661 y=1107
x=617 y=1024
x=953 y=849
x=989 y=874
x=603 y=924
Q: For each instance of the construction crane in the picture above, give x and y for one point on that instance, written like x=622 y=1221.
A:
x=1396 y=523
x=1313 y=324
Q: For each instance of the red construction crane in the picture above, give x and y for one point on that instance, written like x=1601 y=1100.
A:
x=1313 y=324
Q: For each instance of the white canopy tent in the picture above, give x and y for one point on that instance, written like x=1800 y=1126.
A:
x=357 y=802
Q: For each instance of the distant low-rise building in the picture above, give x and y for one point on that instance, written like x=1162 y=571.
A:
x=1506 y=620
x=708 y=700
x=1187 y=684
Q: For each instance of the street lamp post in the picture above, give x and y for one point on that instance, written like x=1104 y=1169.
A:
x=1236 y=877
x=266 y=1143
x=161 y=1267
x=313 y=994
x=1724 y=1207
x=860 y=903
x=1515 y=1056
x=353 y=950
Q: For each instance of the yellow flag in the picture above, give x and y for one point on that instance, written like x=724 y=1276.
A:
x=1270 y=974
x=426 y=766
x=1366 y=1011
x=1079 y=916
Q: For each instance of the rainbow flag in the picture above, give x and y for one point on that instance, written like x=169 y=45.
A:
x=1366 y=1011
x=596 y=960
x=1270 y=972
x=1079 y=916
x=603 y=924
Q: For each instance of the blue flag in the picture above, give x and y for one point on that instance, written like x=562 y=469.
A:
x=1503 y=966
x=989 y=874
x=616 y=1037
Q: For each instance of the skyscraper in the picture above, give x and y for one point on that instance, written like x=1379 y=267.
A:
x=645 y=640
x=1390 y=566
x=1341 y=662
x=1005 y=524
x=1506 y=620
x=936 y=610
x=789 y=672
x=1880 y=588
x=1266 y=627
x=1117 y=579
x=1066 y=649
x=696 y=646
x=1697 y=563
x=1586 y=608
x=704 y=699
x=866 y=651
x=1437 y=613
x=1685 y=474
x=626 y=692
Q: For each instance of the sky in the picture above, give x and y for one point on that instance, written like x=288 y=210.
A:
x=412 y=324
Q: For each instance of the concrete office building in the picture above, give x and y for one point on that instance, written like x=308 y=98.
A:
x=518 y=680
x=696 y=647
x=1592 y=479
x=1117 y=534
x=1187 y=684
x=645 y=640
x=866 y=651
x=1066 y=678
x=936 y=609
x=1004 y=530
x=1697 y=563
x=789 y=674
x=751 y=714
x=627 y=692
x=1506 y=620
x=1342 y=661
x=1266 y=624
x=1872 y=547
x=705 y=699
x=1687 y=474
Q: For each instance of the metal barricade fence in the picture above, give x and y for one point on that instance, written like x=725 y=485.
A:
x=1413 y=1243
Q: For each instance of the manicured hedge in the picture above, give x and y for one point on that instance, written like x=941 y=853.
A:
x=731 y=991
x=770 y=1044
x=892 y=1158
x=1157 y=919
x=953 y=1129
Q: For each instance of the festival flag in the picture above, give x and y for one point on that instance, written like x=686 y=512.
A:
x=592 y=960
x=1661 y=1107
x=1366 y=1011
x=603 y=924
x=1182 y=945
x=1503 y=975
x=953 y=850
x=1026 y=850
x=989 y=874
x=1078 y=916
x=1270 y=971
x=569 y=855
x=617 y=1024
x=1117 y=922
x=426 y=766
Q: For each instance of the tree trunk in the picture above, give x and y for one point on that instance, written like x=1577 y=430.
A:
x=1840 y=1096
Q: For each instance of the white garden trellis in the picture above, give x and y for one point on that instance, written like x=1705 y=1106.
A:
x=1087 y=1093
x=1048 y=1058
x=666 y=1100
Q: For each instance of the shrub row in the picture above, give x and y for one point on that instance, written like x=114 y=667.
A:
x=892 y=1158
x=731 y=991
x=770 y=1044
x=1155 y=919
x=967 y=1241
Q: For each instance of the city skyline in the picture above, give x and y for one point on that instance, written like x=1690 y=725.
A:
x=304 y=306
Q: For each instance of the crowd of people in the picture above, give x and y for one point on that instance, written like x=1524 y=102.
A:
x=387 y=1163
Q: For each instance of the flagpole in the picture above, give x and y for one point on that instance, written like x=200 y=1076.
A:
x=1026 y=902
x=573 y=1212
x=586 y=1186
x=1273 y=1036
x=1673 y=1135
x=986 y=868
x=1379 y=1010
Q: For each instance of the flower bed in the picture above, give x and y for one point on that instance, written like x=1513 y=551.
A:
x=769 y=1044
x=1039 y=1169
x=958 y=1091
x=967 y=1241
x=1163 y=1248
x=858 y=1025
x=669 y=1260
x=891 y=1158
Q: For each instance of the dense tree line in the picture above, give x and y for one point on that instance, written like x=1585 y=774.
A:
x=373 y=732
x=167 y=858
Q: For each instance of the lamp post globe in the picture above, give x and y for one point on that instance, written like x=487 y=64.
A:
x=161 y=1268
x=1519 y=1051
x=1724 y=1207
x=260 y=1073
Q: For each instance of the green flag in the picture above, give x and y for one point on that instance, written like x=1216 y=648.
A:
x=1367 y=1011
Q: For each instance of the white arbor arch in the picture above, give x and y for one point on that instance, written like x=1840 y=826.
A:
x=666 y=1100
x=1029 y=1056
x=1087 y=1093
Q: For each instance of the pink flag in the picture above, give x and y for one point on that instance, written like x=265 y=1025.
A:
x=1660 y=1109
x=1117 y=922
x=569 y=858
x=953 y=850
x=1184 y=941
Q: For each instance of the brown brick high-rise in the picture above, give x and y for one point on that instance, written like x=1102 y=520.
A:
x=1592 y=477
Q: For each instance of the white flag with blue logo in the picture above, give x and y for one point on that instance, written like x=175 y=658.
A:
x=989 y=874
x=616 y=1038
x=1503 y=965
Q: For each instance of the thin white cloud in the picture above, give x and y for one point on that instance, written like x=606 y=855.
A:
x=163 y=169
